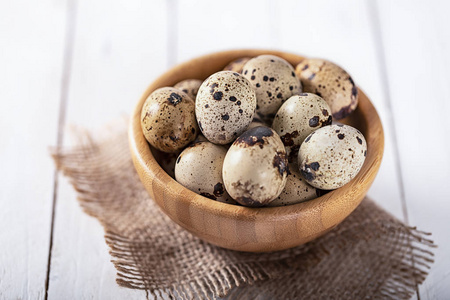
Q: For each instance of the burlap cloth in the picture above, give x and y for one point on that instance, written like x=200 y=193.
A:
x=370 y=255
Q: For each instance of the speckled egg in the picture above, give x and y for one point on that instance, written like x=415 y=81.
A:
x=297 y=118
x=189 y=86
x=331 y=82
x=332 y=156
x=199 y=168
x=255 y=167
x=168 y=119
x=225 y=106
x=274 y=81
x=296 y=190
x=237 y=65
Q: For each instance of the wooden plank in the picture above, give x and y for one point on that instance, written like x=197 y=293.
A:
x=416 y=39
x=342 y=32
x=120 y=46
x=31 y=57
x=204 y=26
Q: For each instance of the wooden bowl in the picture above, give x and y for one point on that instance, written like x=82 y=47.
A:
x=243 y=228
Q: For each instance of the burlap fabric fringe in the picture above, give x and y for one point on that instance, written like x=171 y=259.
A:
x=370 y=255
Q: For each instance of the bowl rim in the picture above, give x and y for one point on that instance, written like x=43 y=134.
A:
x=144 y=160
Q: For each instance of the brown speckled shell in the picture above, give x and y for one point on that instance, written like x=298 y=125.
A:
x=189 y=86
x=296 y=190
x=274 y=81
x=297 y=118
x=199 y=168
x=225 y=106
x=237 y=65
x=331 y=82
x=255 y=167
x=332 y=156
x=168 y=119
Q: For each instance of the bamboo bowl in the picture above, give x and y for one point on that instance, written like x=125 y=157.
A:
x=243 y=228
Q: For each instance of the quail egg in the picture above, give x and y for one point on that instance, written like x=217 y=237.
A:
x=296 y=190
x=189 y=86
x=199 y=168
x=237 y=65
x=297 y=118
x=168 y=119
x=274 y=81
x=330 y=82
x=225 y=106
x=332 y=156
x=255 y=167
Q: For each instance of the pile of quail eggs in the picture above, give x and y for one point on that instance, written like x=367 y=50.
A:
x=258 y=133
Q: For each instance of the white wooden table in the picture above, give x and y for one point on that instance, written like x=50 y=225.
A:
x=86 y=62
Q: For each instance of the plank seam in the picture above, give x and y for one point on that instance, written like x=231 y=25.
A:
x=64 y=93
x=374 y=15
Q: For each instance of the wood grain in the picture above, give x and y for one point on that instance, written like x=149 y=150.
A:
x=31 y=57
x=112 y=65
x=243 y=228
x=415 y=39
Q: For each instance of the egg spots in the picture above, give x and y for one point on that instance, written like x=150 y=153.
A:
x=354 y=91
x=254 y=136
x=288 y=138
x=331 y=165
x=218 y=189
x=218 y=96
x=332 y=83
x=223 y=118
x=213 y=86
x=308 y=175
x=280 y=162
x=174 y=99
x=168 y=119
x=315 y=166
x=314 y=121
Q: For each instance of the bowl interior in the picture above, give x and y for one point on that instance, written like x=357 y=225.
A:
x=243 y=228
